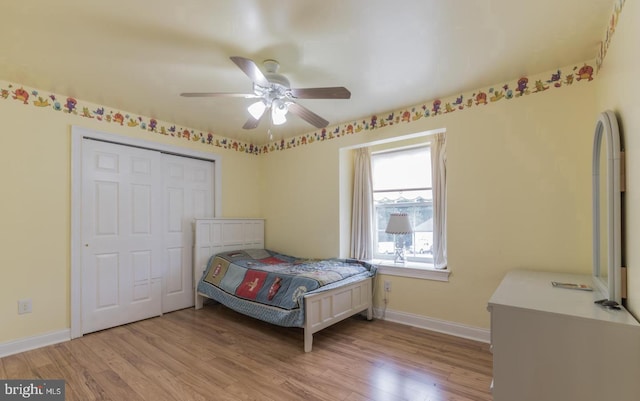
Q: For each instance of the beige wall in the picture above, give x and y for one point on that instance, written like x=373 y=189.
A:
x=617 y=90
x=301 y=201
x=518 y=196
x=35 y=171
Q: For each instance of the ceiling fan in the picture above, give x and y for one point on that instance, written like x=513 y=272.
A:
x=276 y=97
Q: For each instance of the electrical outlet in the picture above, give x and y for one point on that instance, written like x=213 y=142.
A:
x=387 y=286
x=24 y=306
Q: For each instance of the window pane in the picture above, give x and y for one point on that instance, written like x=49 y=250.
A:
x=402 y=184
x=410 y=168
x=419 y=206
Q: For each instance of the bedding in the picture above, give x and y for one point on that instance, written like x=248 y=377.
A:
x=271 y=286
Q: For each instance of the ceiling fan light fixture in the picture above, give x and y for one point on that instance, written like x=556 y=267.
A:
x=276 y=95
x=257 y=109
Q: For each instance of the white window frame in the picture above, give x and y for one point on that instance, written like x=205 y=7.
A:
x=412 y=268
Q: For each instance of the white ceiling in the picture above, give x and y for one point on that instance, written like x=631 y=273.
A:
x=138 y=56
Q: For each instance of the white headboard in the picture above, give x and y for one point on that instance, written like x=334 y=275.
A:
x=212 y=236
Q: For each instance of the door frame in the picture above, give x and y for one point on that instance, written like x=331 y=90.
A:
x=77 y=135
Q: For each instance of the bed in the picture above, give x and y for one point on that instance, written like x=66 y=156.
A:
x=231 y=266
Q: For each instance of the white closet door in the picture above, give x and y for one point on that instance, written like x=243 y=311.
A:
x=121 y=233
x=188 y=194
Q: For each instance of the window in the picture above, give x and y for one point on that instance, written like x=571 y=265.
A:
x=402 y=183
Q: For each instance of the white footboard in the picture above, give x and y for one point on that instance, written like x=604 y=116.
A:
x=328 y=307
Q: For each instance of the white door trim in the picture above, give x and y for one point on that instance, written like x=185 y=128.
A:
x=77 y=134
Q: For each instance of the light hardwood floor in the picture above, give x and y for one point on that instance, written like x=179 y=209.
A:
x=217 y=354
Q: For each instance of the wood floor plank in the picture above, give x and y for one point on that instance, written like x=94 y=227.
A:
x=116 y=388
x=80 y=354
x=179 y=358
x=218 y=354
x=60 y=355
x=16 y=367
x=81 y=384
x=36 y=359
x=107 y=349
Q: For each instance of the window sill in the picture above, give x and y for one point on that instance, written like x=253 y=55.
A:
x=412 y=270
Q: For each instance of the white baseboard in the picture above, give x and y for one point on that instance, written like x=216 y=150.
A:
x=441 y=326
x=29 y=343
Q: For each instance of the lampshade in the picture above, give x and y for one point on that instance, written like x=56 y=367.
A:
x=256 y=109
x=279 y=111
x=399 y=224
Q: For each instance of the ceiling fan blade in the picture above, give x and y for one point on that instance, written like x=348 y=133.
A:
x=251 y=123
x=307 y=115
x=254 y=122
x=219 y=94
x=336 y=92
x=251 y=69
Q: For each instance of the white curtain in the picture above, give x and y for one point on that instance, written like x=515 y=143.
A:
x=362 y=209
x=439 y=183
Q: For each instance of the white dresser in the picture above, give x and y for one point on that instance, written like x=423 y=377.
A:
x=555 y=344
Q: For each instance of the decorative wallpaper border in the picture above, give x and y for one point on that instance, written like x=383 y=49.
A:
x=75 y=107
x=611 y=28
x=524 y=86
